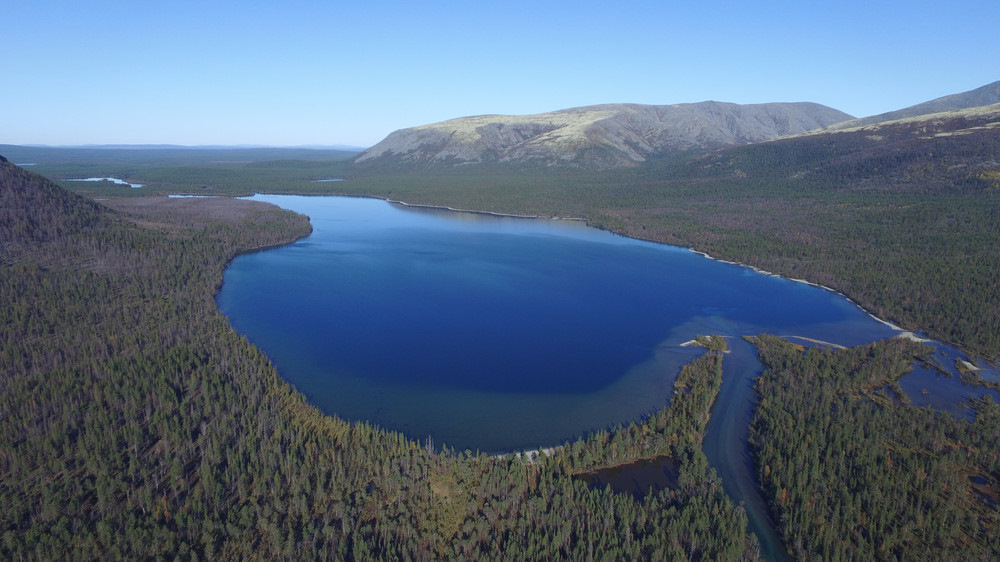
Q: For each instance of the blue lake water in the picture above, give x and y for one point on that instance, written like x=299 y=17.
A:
x=499 y=333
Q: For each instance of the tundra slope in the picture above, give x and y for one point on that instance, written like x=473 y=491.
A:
x=598 y=136
x=982 y=96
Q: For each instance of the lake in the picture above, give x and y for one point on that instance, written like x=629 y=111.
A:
x=498 y=333
x=117 y=181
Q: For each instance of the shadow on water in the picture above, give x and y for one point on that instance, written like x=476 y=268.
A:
x=725 y=443
x=638 y=478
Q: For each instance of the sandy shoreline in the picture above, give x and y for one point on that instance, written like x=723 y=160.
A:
x=913 y=337
x=530 y=455
x=815 y=341
x=810 y=283
x=491 y=213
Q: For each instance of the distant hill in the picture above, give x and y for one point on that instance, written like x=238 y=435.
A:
x=599 y=136
x=985 y=95
x=921 y=126
x=166 y=155
x=947 y=152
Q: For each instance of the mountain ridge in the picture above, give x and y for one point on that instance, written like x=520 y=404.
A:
x=597 y=136
x=625 y=134
x=982 y=96
x=925 y=125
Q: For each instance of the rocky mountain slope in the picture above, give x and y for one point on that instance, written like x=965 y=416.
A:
x=985 y=95
x=599 y=136
x=924 y=126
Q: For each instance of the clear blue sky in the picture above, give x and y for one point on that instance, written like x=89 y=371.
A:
x=300 y=72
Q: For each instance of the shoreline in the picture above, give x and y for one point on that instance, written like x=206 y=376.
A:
x=913 y=337
x=815 y=341
x=803 y=281
x=475 y=212
x=529 y=455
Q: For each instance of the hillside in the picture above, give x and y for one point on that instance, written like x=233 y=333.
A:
x=984 y=95
x=900 y=216
x=35 y=214
x=925 y=125
x=596 y=137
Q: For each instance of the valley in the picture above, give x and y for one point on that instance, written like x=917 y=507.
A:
x=140 y=424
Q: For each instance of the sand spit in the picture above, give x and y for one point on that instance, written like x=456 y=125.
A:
x=530 y=456
x=913 y=337
x=815 y=341
x=696 y=343
x=962 y=364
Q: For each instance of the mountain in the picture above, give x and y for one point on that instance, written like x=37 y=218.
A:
x=985 y=95
x=599 y=136
x=924 y=126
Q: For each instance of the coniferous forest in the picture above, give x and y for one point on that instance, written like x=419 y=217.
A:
x=854 y=473
x=136 y=423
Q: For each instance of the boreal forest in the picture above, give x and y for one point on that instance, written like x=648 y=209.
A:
x=138 y=424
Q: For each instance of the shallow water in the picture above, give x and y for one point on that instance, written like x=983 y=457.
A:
x=939 y=386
